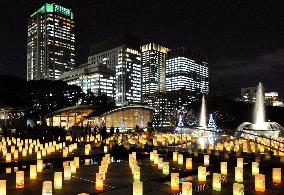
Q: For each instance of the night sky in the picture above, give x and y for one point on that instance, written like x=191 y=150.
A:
x=243 y=39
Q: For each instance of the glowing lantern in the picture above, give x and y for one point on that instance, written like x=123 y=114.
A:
x=166 y=168
x=2 y=187
x=105 y=149
x=175 y=181
x=12 y=149
x=39 y=166
x=160 y=163
x=137 y=188
x=30 y=150
x=238 y=189
x=87 y=161
x=65 y=152
x=188 y=163
x=202 y=173
x=38 y=155
x=224 y=168
x=156 y=159
x=47 y=188
x=180 y=159
x=16 y=154
x=43 y=152
x=238 y=174
x=8 y=170
x=255 y=168
x=136 y=173
x=206 y=160
x=58 y=180
x=33 y=173
x=8 y=157
x=77 y=161
x=276 y=175
x=175 y=156
x=186 y=188
x=216 y=183
x=240 y=162
x=99 y=181
x=151 y=156
x=260 y=183
x=83 y=194
x=67 y=173
x=73 y=166
x=20 y=181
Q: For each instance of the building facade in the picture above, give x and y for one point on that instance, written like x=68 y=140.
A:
x=153 y=58
x=92 y=77
x=185 y=69
x=122 y=55
x=51 y=42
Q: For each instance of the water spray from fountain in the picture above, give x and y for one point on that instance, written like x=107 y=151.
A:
x=259 y=110
x=202 y=119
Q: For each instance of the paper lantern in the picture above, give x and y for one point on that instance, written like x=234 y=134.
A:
x=166 y=168
x=99 y=181
x=137 y=188
x=8 y=157
x=238 y=189
x=39 y=166
x=58 y=180
x=175 y=156
x=33 y=173
x=16 y=169
x=240 y=162
x=160 y=163
x=67 y=173
x=65 y=152
x=136 y=173
x=30 y=150
x=43 y=152
x=202 y=173
x=105 y=149
x=8 y=170
x=186 y=188
x=3 y=187
x=38 y=155
x=156 y=159
x=180 y=159
x=255 y=168
x=175 y=181
x=73 y=166
x=224 y=168
x=238 y=174
x=259 y=183
x=216 y=183
x=188 y=163
x=87 y=161
x=276 y=175
x=16 y=155
x=12 y=149
x=83 y=194
x=47 y=188
x=20 y=179
x=206 y=160
x=77 y=161
x=151 y=156
x=103 y=171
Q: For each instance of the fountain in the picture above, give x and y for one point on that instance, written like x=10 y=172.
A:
x=259 y=125
x=202 y=119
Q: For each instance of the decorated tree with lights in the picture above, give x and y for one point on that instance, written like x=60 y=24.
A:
x=211 y=123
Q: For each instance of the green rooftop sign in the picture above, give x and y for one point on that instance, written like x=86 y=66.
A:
x=54 y=8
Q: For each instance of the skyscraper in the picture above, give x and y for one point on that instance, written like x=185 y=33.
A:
x=51 y=42
x=153 y=58
x=186 y=70
x=121 y=54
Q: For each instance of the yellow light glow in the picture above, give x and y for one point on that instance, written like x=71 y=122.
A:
x=255 y=168
x=224 y=168
x=67 y=172
x=180 y=159
x=216 y=183
x=39 y=166
x=20 y=179
x=58 y=180
x=3 y=187
x=202 y=173
x=238 y=189
x=186 y=188
x=47 y=188
x=240 y=162
x=188 y=163
x=206 y=160
x=175 y=156
x=33 y=173
x=77 y=161
x=99 y=181
x=137 y=188
x=276 y=175
x=8 y=157
x=238 y=174
x=260 y=183
x=175 y=181
x=166 y=168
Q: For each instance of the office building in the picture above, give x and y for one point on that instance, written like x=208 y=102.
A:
x=185 y=69
x=153 y=58
x=95 y=78
x=122 y=55
x=51 y=42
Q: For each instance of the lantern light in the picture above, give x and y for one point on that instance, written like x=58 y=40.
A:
x=175 y=181
x=58 y=180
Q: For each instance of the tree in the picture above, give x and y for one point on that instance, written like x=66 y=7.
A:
x=211 y=124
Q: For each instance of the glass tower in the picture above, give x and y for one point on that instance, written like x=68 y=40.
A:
x=51 y=42
x=153 y=68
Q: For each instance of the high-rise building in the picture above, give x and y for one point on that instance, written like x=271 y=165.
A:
x=185 y=69
x=153 y=58
x=121 y=54
x=51 y=42
x=95 y=78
